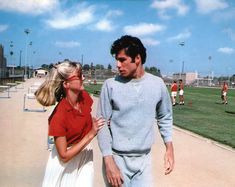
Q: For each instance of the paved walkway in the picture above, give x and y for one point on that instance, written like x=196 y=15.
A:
x=23 y=151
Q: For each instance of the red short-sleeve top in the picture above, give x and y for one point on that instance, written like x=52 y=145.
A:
x=69 y=122
x=174 y=87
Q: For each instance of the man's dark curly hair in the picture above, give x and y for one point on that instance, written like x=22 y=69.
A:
x=132 y=46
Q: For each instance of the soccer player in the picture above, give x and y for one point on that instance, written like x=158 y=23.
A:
x=174 y=88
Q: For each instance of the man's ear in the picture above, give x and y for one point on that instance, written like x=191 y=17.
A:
x=138 y=59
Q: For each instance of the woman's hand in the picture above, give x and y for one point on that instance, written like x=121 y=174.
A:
x=61 y=142
x=97 y=124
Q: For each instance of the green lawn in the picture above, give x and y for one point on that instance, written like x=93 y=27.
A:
x=91 y=88
x=203 y=113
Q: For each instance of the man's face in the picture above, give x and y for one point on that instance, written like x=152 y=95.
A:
x=125 y=65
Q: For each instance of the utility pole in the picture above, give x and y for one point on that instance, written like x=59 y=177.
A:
x=30 y=58
x=27 y=31
x=210 y=72
x=82 y=60
x=182 y=70
x=11 y=58
x=20 y=58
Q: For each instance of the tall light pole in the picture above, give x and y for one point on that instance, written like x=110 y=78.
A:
x=30 y=57
x=27 y=31
x=20 y=58
x=182 y=68
x=170 y=61
x=11 y=57
x=210 y=76
x=82 y=60
x=11 y=51
x=33 y=59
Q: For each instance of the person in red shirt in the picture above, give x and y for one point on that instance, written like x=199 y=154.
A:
x=181 y=92
x=174 y=88
x=224 y=91
x=70 y=161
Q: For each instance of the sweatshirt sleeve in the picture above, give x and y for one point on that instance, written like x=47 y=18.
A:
x=105 y=110
x=164 y=115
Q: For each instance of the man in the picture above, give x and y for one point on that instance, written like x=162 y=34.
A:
x=224 y=91
x=130 y=102
x=174 y=88
x=181 y=92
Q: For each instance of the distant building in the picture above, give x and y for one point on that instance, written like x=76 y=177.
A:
x=3 y=63
x=187 y=78
x=40 y=72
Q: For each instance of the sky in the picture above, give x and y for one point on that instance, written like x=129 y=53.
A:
x=193 y=35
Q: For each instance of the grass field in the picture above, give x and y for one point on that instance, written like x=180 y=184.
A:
x=91 y=88
x=203 y=113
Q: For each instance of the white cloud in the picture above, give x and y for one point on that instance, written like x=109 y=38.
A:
x=150 y=42
x=114 y=13
x=163 y=6
x=226 y=50
x=181 y=36
x=143 y=29
x=69 y=44
x=207 y=6
x=3 y=28
x=71 y=18
x=34 y=7
x=104 y=25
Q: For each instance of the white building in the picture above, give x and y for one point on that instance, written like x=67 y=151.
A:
x=40 y=72
x=187 y=78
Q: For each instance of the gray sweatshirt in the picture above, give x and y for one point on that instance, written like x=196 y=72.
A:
x=132 y=106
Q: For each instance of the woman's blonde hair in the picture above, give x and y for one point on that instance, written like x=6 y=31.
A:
x=52 y=90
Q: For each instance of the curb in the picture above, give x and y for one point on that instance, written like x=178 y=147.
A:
x=204 y=139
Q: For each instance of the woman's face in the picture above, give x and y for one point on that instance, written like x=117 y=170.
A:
x=75 y=81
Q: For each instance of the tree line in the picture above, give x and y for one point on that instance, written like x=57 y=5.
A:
x=87 y=67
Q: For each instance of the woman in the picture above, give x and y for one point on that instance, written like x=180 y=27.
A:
x=71 y=160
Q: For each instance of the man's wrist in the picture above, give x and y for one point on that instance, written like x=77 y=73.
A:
x=108 y=159
x=169 y=146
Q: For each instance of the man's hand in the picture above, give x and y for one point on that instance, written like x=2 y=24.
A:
x=169 y=158
x=113 y=173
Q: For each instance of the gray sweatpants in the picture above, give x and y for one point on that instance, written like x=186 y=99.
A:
x=136 y=170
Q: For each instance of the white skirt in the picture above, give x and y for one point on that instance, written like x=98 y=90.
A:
x=77 y=172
